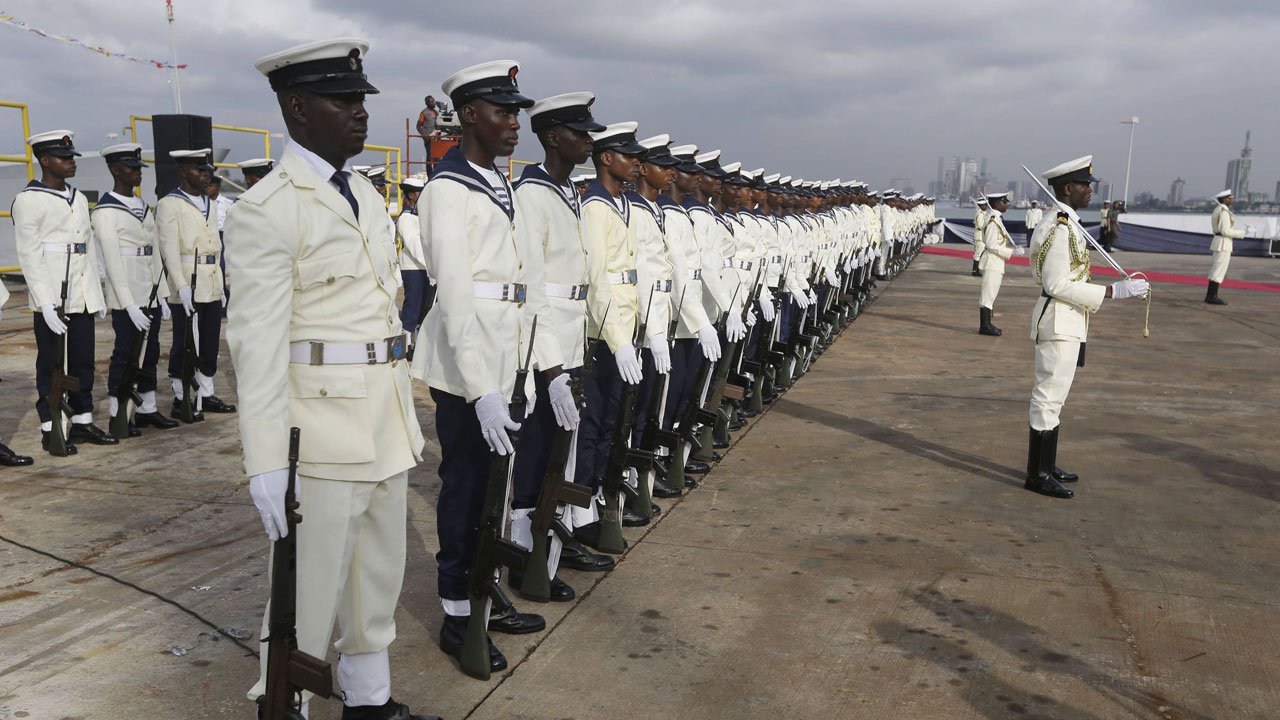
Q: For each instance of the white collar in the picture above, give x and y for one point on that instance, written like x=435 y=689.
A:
x=314 y=161
x=200 y=200
x=130 y=200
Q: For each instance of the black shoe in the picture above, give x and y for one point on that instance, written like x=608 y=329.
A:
x=454 y=630
x=134 y=430
x=13 y=459
x=690 y=482
x=654 y=510
x=155 y=420
x=511 y=621
x=696 y=467
x=392 y=710
x=90 y=433
x=662 y=489
x=1048 y=485
x=214 y=405
x=560 y=590
x=1064 y=476
x=719 y=445
x=44 y=443
x=177 y=412
x=575 y=556
x=631 y=519
x=747 y=413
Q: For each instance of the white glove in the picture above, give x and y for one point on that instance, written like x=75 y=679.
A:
x=1019 y=252
x=562 y=402
x=831 y=277
x=56 y=326
x=165 y=312
x=735 y=329
x=661 y=353
x=801 y=300
x=1132 y=287
x=267 y=491
x=495 y=421
x=184 y=294
x=224 y=302
x=710 y=343
x=1250 y=231
x=138 y=318
x=848 y=265
x=101 y=313
x=766 y=306
x=813 y=297
x=628 y=364
x=751 y=317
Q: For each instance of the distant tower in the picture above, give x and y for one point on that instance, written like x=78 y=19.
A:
x=1175 y=192
x=1238 y=171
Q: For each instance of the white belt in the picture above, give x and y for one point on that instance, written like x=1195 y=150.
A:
x=726 y=263
x=662 y=286
x=201 y=259
x=568 y=292
x=72 y=248
x=744 y=264
x=137 y=251
x=509 y=292
x=371 y=353
x=624 y=277
x=695 y=274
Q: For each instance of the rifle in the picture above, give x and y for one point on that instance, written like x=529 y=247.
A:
x=611 y=540
x=187 y=407
x=289 y=670
x=557 y=489
x=493 y=552
x=128 y=389
x=61 y=384
x=643 y=457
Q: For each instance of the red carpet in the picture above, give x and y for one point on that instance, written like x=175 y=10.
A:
x=1155 y=277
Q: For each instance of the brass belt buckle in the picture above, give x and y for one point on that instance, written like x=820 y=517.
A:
x=317 y=353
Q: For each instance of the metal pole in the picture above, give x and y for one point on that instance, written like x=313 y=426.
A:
x=173 y=59
x=1132 y=122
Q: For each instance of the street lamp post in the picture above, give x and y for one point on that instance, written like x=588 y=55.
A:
x=1132 y=122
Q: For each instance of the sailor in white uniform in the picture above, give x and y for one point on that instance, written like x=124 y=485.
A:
x=1225 y=232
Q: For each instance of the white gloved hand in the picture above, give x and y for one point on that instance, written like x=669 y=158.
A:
x=628 y=364
x=138 y=318
x=495 y=421
x=56 y=326
x=831 y=277
x=813 y=297
x=751 y=317
x=184 y=294
x=801 y=300
x=563 y=403
x=766 y=306
x=165 y=312
x=1019 y=251
x=1250 y=231
x=661 y=353
x=710 y=343
x=267 y=491
x=1131 y=287
x=224 y=302
x=735 y=329
x=848 y=265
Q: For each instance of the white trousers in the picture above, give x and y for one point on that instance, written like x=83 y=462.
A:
x=991 y=280
x=1055 y=369
x=351 y=554
x=1218 y=270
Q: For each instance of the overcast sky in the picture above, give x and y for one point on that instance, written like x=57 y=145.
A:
x=867 y=90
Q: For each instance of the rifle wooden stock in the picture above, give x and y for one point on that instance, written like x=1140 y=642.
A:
x=190 y=359
x=556 y=489
x=289 y=670
x=128 y=389
x=60 y=383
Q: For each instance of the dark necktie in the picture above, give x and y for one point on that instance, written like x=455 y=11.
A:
x=344 y=188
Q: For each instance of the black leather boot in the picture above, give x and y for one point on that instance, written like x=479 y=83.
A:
x=453 y=631
x=12 y=459
x=1211 y=296
x=985 y=327
x=1039 y=470
x=1062 y=476
x=976 y=272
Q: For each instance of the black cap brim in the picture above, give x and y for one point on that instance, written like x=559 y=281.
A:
x=340 y=86
x=691 y=168
x=627 y=148
x=587 y=126
x=664 y=161
x=59 y=152
x=506 y=98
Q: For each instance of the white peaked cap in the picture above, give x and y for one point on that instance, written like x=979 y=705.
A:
x=707 y=156
x=202 y=152
x=556 y=102
x=684 y=150
x=1079 y=163
x=1223 y=194
x=618 y=128
x=253 y=163
x=732 y=167
x=772 y=178
x=656 y=141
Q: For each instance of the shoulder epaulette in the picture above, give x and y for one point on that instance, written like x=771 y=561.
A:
x=266 y=187
x=1063 y=217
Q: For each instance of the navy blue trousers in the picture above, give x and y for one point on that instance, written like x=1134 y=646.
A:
x=464 y=477
x=603 y=394
x=209 y=319
x=533 y=457
x=787 y=317
x=79 y=339
x=126 y=334
x=686 y=361
x=650 y=383
x=418 y=291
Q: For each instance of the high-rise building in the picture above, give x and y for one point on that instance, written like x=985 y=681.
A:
x=1238 y=171
x=940 y=171
x=969 y=185
x=1278 y=192
x=1175 y=192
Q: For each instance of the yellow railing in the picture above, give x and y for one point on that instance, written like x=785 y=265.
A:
x=266 y=135
x=391 y=165
x=25 y=158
